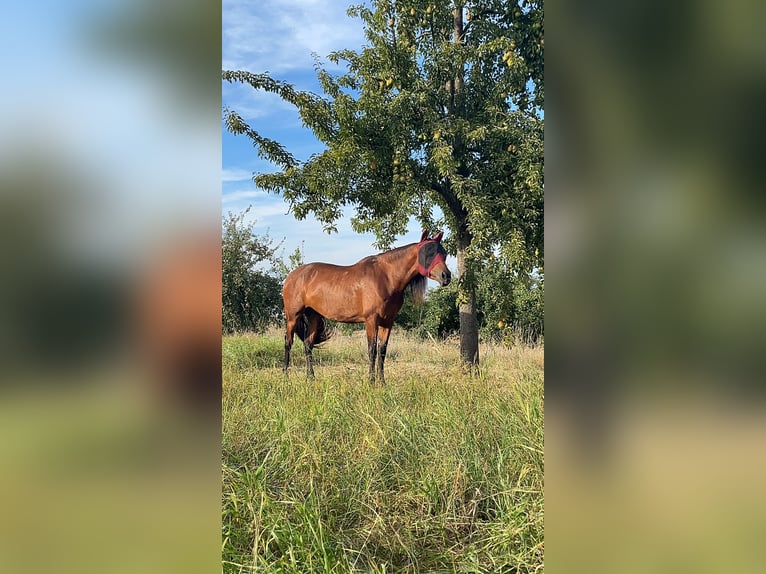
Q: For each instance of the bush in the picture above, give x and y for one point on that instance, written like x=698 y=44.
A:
x=512 y=303
x=510 y=307
x=437 y=316
x=251 y=278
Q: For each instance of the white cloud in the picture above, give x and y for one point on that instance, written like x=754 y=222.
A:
x=234 y=174
x=282 y=35
x=262 y=205
x=239 y=196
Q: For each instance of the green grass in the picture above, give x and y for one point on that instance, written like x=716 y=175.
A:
x=435 y=472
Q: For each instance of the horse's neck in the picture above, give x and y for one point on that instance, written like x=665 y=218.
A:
x=404 y=267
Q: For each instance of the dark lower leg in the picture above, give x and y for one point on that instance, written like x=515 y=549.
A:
x=372 y=347
x=381 y=360
x=309 y=363
x=383 y=334
x=288 y=346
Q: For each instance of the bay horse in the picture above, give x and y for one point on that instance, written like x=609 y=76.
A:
x=371 y=291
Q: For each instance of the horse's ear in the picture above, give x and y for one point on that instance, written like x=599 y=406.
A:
x=438 y=236
x=424 y=236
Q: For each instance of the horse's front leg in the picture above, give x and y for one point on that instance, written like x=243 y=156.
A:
x=372 y=346
x=383 y=334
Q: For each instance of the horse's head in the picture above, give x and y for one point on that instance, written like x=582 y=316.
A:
x=431 y=259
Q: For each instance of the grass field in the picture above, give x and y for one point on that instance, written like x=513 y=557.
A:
x=435 y=472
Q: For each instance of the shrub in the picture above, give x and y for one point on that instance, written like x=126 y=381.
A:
x=512 y=303
x=437 y=316
x=251 y=277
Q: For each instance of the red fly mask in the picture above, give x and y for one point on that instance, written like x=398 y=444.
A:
x=430 y=253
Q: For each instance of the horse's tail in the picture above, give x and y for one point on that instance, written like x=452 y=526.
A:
x=324 y=332
x=311 y=321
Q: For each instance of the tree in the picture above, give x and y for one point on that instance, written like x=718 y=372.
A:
x=442 y=109
x=251 y=277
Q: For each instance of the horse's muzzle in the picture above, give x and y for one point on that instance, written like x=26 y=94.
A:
x=445 y=278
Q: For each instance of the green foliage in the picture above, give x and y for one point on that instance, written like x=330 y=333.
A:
x=295 y=259
x=411 y=314
x=512 y=303
x=436 y=317
x=528 y=322
x=251 y=277
x=423 y=118
x=432 y=473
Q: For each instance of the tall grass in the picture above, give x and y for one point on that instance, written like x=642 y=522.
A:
x=435 y=472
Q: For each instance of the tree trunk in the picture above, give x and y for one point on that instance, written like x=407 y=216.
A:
x=469 y=325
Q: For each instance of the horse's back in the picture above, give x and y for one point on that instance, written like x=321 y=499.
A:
x=334 y=291
x=310 y=272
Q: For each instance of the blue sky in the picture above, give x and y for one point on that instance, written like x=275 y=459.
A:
x=280 y=38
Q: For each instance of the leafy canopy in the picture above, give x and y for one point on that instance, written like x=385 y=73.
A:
x=442 y=108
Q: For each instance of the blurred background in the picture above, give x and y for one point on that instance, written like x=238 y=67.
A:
x=656 y=272
x=110 y=292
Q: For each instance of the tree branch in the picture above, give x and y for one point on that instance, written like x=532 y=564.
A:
x=266 y=148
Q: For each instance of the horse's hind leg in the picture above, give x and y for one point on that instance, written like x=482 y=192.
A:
x=309 y=362
x=313 y=324
x=292 y=322
x=372 y=345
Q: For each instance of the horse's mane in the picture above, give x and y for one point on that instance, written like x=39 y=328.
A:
x=395 y=253
x=418 y=287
